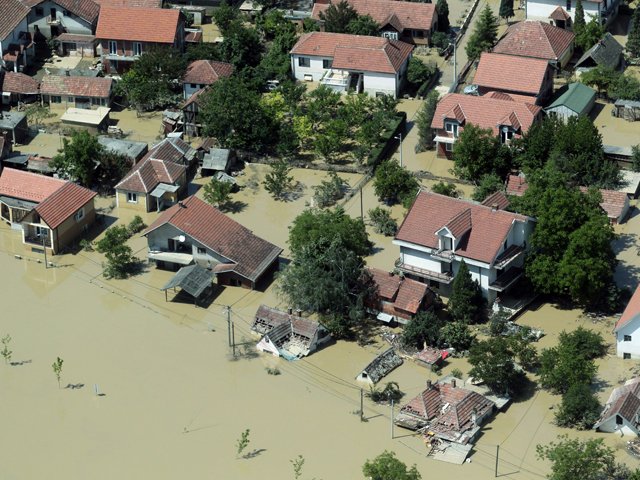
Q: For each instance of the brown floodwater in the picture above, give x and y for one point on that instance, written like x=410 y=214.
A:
x=173 y=402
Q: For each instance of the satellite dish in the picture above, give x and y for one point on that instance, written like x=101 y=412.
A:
x=182 y=238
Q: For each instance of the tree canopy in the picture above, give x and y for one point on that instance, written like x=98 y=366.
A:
x=506 y=9
x=478 y=152
x=120 y=260
x=394 y=183
x=442 y=8
x=423 y=328
x=466 y=303
x=580 y=408
x=633 y=41
x=492 y=361
x=78 y=156
x=341 y=17
x=485 y=34
x=387 y=467
x=424 y=117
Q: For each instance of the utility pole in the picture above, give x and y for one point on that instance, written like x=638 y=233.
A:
x=361 y=209
x=399 y=137
x=228 y=309
x=497 y=454
x=233 y=338
x=44 y=248
x=362 y=405
x=392 y=432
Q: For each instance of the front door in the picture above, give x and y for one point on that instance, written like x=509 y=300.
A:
x=171 y=243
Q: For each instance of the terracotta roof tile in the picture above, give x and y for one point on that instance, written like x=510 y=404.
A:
x=87 y=10
x=130 y=3
x=516 y=185
x=75 y=37
x=148 y=173
x=207 y=72
x=401 y=15
x=631 y=311
x=19 y=83
x=371 y=54
x=156 y=25
x=97 y=87
x=387 y=283
x=13 y=12
x=28 y=186
x=267 y=318
x=560 y=14
x=63 y=203
x=498 y=199
x=206 y=224
x=531 y=38
x=431 y=211
x=485 y=112
x=511 y=73
x=193 y=37
x=613 y=202
x=410 y=295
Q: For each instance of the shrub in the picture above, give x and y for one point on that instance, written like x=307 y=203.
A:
x=383 y=222
x=580 y=408
x=136 y=225
x=329 y=191
x=391 y=391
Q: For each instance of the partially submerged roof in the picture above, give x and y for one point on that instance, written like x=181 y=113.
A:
x=631 y=311
x=381 y=366
x=532 y=38
x=28 y=186
x=193 y=279
x=625 y=402
x=511 y=73
x=13 y=12
x=207 y=72
x=16 y=82
x=576 y=97
x=607 y=52
x=268 y=318
x=216 y=159
x=87 y=10
x=10 y=120
x=63 y=203
x=405 y=294
x=157 y=25
x=355 y=52
x=485 y=112
x=250 y=254
x=97 y=87
x=482 y=229
x=401 y=15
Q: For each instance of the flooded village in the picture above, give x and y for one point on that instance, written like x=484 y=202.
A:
x=283 y=240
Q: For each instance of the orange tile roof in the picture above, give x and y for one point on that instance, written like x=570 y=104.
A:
x=130 y=3
x=410 y=295
x=485 y=112
x=560 y=14
x=148 y=173
x=13 y=12
x=19 y=83
x=96 y=87
x=207 y=72
x=387 y=283
x=207 y=225
x=371 y=54
x=631 y=311
x=516 y=185
x=28 y=186
x=63 y=203
x=401 y=15
x=497 y=199
x=613 y=202
x=155 y=25
x=531 y=38
x=482 y=242
x=511 y=73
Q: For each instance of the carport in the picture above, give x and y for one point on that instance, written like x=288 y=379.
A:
x=193 y=279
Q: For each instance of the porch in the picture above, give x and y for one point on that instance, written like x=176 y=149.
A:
x=342 y=81
x=506 y=279
x=442 y=277
x=37 y=235
x=13 y=210
x=508 y=256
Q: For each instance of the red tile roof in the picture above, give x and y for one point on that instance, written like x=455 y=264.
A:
x=613 y=202
x=207 y=72
x=498 y=199
x=13 y=12
x=405 y=294
x=251 y=254
x=485 y=112
x=531 y=38
x=28 y=186
x=401 y=15
x=19 y=83
x=148 y=173
x=156 y=25
x=130 y=3
x=76 y=38
x=431 y=211
x=511 y=73
x=631 y=311
x=96 y=87
x=516 y=185
x=63 y=203
x=623 y=401
x=267 y=318
x=358 y=52
x=387 y=283
x=193 y=37
x=560 y=14
x=85 y=9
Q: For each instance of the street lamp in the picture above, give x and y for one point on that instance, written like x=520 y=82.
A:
x=43 y=237
x=399 y=137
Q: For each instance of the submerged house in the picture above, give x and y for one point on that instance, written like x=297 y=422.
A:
x=380 y=367
x=607 y=53
x=397 y=299
x=441 y=232
x=622 y=410
x=193 y=231
x=50 y=212
x=446 y=411
x=287 y=335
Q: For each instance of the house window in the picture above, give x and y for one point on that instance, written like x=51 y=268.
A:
x=448 y=147
x=202 y=251
x=42 y=231
x=304 y=62
x=568 y=5
x=56 y=99
x=326 y=64
x=113 y=47
x=132 y=197
x=627 y=338
x=506 y=134
x=626 y=356
x=137 y=48
x=451 y=127
x=70 y=99
x=79 y=215
x=39 y=11
x=618 y=420
x=418 y=33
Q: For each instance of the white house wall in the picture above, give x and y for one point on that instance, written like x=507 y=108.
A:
x=632 y=347
x=374 y=83
x=314 y=69
x=420 y=259
x=189 y=89
x=541 y=9
x=68 y=22
x=158 y=239
x=610 y=426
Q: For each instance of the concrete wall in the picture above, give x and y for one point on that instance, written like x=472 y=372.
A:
x=71 y=229
x=631 y=347
x=140 y=206
x=374 y=83
x=189 y=89
x=541 y=9
x=68 y=22
x=611 y=426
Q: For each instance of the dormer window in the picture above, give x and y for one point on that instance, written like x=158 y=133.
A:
x=506 y=135
x=451 y=127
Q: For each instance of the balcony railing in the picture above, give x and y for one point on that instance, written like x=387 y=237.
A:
x=38 y=241
x=336 y=78
x=446 y=277
x=508 y=256
x=507 y=279
x=52 y=20
x=444 y=255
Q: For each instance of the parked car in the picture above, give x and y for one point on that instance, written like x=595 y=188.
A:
x=471 y=90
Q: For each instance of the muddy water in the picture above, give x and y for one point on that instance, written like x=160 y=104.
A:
x=173 y=402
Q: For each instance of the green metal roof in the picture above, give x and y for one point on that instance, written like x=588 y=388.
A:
x=575 y=96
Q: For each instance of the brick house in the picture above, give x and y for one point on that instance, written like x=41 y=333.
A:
x=529 y=77
x=124 y=33
x=507 y=118
x=80 y=92
x=202 y=73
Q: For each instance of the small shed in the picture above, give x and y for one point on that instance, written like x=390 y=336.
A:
x=92 y=120
x=15 y=124
x=380 y=367
x=627 y=109
x=572 y=100
x=607 y=52
x=430 y=357
x=130 y=149
x=218 y=160
x=192 y=279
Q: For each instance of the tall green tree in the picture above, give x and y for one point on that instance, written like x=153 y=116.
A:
x=466 y=303
x=442 y=8
x=600 y=77
x=506 y=9
x=393 y=183
x=492 y=361
x=78 y=157
x=579 y=21
x=242 y=46
x=426 y=134
x=387 y=467
x=478 y=152
x=592 y=33
x=423 y=328
x=120 y=260
x=363 y=25
x=633 y=41
x=419 y=72
x=225 y=15
x=485 y=34
x=580 y=408
x=278 y=182
x=218 y=193
x=338 y=16
x=488 y=184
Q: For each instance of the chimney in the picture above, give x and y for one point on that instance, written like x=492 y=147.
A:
x=429 y=384
x=494 y=207
x=67 y=73
x=453 y=383
x=182 y=205
x=299 y=313
x=290 y=311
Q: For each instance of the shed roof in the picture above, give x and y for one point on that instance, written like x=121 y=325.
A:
x=207 y=72
x=193 y=279
x=97 y=87
x=576 y=97
x=511 y=73
x=10 y=120
x=382 y=365
x=154 y=25
x=129 y=148
x=216 y=159
x=16 y=82
x=607 y=52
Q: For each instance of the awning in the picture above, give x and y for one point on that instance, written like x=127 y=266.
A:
x=164 y=188
x=16 y=203
x=193 y=279
x=172 y=257
x=385 y=317
x=444 y=139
